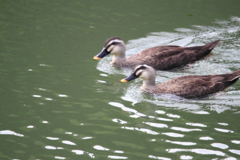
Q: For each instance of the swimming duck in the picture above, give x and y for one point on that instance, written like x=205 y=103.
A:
x=192 y=86
x=160 y=57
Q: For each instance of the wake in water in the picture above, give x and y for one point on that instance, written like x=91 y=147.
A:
x=225 y=59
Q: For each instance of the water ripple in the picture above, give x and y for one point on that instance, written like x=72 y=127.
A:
x=117 y=157
x=172 y=134
x=236 y=141
x=223 y=130
x=53 y=148
x=157 y=157
x=78 y=152
x=157 y=125
x=127 y=109
x=219 y=145
x=81 y=152
x=235 y=151
x=185 y=129
x=198 y=151
x=145 y=130
x=59 y=157
x=8 y=132
x=206 y=138
x=68 y=142
x=118 y=151
x=98 y=147
x=182 y=143
x=52 y=138
x=163 y=119
x=196 y=124
x=186 y=157
x=119 y=121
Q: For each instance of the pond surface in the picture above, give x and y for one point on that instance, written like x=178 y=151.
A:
x=58 y=103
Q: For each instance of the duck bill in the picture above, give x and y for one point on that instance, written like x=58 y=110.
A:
x=129 y=78
x=102 y=54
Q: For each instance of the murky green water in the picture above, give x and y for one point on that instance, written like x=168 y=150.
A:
x=58 y=103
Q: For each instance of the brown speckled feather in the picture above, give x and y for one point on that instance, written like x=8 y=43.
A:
x=197 y=86
x=169 y=57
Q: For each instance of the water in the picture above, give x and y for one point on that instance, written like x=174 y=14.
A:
x=58 y=103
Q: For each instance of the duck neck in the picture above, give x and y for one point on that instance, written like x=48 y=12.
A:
x=148 y=83
x=119 y=57
x=119 y=60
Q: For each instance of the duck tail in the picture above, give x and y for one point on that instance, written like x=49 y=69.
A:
x=234 y=76
x=211 y=45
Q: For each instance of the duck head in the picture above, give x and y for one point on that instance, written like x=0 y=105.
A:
x=113 y=45
x=144 y=72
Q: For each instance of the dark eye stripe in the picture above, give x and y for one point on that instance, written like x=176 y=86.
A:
x=139 y=68
x=113 y=43
x=111 y=39
x=108 y=46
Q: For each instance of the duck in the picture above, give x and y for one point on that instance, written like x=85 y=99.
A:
x=160 y=57
x=188 y=87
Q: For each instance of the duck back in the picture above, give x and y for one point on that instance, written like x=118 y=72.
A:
x=197 y=86
x=171 y=56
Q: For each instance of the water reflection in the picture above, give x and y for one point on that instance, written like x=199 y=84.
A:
x=178 y=133
x=53 y=148
x=198 y=151
x=68 y=142
x=130 y=110
x=219 y=145
x=59 y=157
x=154 y=126
x=8 y=132
x=182 y=143
x=55 y=111
x=157 y=157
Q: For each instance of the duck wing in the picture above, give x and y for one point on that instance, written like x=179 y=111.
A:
x=156 y=56
x=198 y=86
x=162 y=51
x=169 y=57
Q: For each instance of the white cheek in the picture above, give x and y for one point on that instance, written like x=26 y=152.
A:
x=110 y=48
x=144 y=75
x=138 y=73
x=116 y=50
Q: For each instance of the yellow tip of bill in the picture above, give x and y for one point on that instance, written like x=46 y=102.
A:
x=96 y=58
x=124 y=80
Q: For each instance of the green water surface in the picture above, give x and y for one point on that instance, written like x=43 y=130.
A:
x=58 y=103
